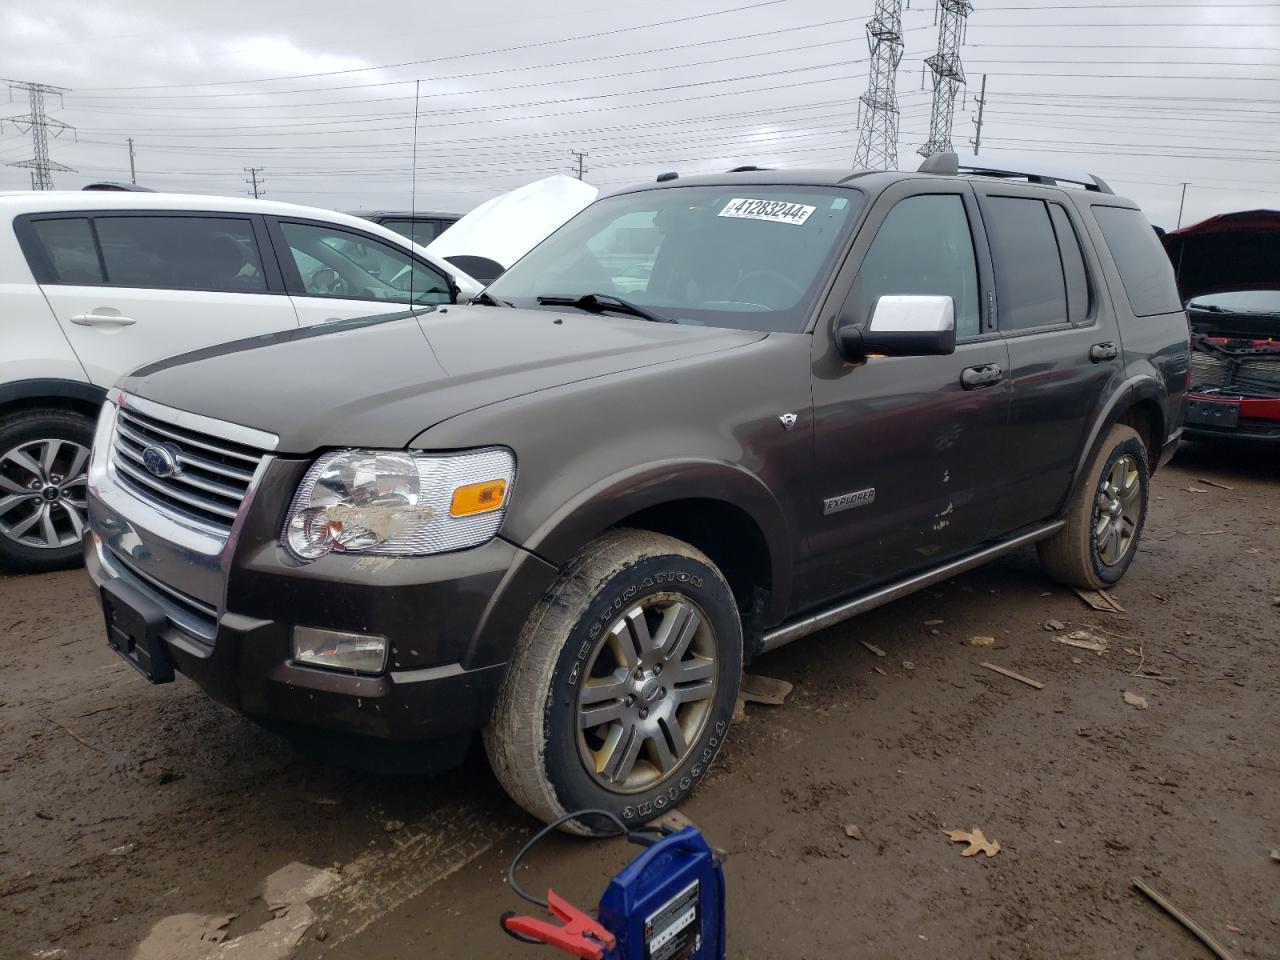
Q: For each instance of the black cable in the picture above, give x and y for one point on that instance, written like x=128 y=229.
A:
x=532 y=841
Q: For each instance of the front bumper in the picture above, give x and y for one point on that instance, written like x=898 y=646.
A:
x=230 y=607
x=1257 y=420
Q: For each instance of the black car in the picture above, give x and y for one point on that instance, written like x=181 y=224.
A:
x=419 y=227
x=567 y=515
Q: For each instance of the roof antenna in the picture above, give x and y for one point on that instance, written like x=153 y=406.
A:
x=413 y=195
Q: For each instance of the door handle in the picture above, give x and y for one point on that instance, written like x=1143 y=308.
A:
x=1101 y=352
x=102 y=320
x=975 y=378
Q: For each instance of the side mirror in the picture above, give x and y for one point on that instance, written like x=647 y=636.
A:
x=902 y=326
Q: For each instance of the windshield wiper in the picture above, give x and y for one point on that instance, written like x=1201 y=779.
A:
x=486 y=297
x=600 y=302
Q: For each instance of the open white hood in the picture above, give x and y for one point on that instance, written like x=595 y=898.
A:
x=507 y=227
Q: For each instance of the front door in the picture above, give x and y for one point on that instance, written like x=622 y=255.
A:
x=128 y=288
x=908 y=449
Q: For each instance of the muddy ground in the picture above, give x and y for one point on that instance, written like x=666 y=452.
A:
x=122 y=804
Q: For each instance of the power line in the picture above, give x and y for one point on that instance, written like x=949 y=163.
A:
x=579 y=156
x=39 y=125
x=560 y=63
x=486 y=52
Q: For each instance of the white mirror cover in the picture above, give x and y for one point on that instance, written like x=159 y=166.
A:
x=507 y=227
x=913 y=314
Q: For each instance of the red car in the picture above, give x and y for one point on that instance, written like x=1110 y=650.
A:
x=1228 y=270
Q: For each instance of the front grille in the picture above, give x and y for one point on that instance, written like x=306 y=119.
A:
x=212 y=478
x=1208 y=370
x=1237 y=376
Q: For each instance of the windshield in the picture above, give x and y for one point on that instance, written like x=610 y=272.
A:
x=747 y=257
x=1241 y=301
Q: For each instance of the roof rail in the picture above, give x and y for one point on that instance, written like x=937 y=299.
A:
x=950 y=165
x=748 y=169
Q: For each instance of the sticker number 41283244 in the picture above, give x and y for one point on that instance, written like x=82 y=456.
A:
x=778 y=211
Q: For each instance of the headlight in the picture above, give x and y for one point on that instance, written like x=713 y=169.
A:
x=397 y=504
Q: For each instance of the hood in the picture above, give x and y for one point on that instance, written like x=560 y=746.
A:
x=504 y=229
x=380 y=381
x=1226 y=253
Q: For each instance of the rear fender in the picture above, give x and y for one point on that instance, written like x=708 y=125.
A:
x=1132 y=392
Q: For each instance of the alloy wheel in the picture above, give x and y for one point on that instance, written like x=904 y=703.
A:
x=43 y=490
x=647 y=693
x=1118 y=510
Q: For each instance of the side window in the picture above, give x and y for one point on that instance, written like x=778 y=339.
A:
x=924 y=247
x=1144 y=267
x=69 y=250
x=337 y=263
x=181 y=253
x=1031 y=290
x=1072 y=264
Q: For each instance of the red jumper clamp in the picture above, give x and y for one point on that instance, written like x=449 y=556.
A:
x=579 y=935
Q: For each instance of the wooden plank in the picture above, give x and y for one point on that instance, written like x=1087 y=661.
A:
x=1015 y=676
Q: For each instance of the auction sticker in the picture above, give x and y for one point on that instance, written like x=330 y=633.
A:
x=777 y=211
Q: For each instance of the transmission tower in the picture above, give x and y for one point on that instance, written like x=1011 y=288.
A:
x=254 y=181
x=37 y=122
x=878 y=132
x=948 y=73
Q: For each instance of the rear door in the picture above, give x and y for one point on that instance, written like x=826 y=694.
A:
x=335 y=273
x=1064 y=349
x=908 y=449
x=131 y=287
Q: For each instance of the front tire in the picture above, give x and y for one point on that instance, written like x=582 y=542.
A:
x=1105 y=518
x=622 y=684
x=44 y=482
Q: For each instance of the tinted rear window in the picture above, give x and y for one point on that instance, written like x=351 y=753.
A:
x=68 y=249
x=181 y=253
x=1144 y=268
x=1029 y=281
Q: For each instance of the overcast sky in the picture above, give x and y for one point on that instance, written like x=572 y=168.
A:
x=321 y=94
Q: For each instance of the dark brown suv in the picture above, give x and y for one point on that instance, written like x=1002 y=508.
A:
x=706 y=417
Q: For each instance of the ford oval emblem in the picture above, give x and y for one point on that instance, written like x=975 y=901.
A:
x=161 y=461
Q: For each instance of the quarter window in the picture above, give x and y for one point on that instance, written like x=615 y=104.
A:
x=1144 y=267
x=352 y=266
x=1031 y=289
x=69 y=250
x=924 y=248
x=181 y=253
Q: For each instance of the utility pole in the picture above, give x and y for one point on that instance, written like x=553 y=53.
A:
x=37 y=122
x=948 y=74
x=1182 y=204
x=579 y=156
x=133 y=175
x=878 y=131
x=982 y=104
x=254 y=181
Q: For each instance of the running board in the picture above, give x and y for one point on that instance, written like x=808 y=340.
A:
x=850 y=608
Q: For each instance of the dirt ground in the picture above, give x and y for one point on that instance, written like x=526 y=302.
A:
x=123 y=804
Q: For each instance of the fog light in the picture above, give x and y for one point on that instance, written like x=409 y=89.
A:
x=336 y=650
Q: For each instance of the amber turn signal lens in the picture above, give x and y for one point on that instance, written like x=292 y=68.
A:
x=478 y=498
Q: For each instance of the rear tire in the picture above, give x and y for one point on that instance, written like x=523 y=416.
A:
x=622 y=684
x=44 y=463
x=1105 y=518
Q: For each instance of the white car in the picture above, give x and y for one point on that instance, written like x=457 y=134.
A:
x=95 y=284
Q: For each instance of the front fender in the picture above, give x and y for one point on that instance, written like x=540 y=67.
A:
x=605 y=504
